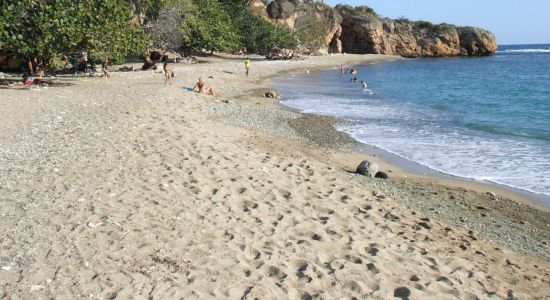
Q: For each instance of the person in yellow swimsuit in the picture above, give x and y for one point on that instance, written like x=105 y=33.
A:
x=247 y=66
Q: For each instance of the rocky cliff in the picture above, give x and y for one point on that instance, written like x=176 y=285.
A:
x=360 y=30
x=364 y=32
x=297 y=14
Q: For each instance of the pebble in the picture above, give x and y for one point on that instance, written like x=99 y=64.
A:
x=491 y=195
x=94 y=225
x=6 y=268
x=94 y=221
x=36 y=287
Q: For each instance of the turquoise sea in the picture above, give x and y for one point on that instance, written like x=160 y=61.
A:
x=485 y=118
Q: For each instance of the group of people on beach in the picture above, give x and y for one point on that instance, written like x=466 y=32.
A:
x=200 y=86
x=354 y=73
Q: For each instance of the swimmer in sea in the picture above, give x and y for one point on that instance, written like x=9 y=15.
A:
x=364 y=84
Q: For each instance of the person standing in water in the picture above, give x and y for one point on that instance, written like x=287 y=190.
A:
x=247 y=66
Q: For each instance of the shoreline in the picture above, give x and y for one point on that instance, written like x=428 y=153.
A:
x=123 y=187
x=414 y=170
x=509 y=203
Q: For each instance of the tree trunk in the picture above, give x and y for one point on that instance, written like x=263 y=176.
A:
x=30 y=67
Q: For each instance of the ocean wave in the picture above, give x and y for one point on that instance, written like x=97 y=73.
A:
x=514 y=163
x=506 y=131
x=536 y=50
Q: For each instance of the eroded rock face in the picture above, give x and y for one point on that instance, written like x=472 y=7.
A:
x=292 y=13
x=476 y=41
x=359 y=30
x=363 y=32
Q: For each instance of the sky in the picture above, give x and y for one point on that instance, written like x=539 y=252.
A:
x=511 y=21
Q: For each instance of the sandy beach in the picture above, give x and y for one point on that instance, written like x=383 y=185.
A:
x=124 y=188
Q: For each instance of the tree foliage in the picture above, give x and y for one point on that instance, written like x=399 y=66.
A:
x=45 y=31
x=207 y=26
x=145 y=10
x=218 y=25
x=310 y=33
x=257 y=35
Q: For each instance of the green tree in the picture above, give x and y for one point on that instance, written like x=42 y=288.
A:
x=207 y=26
x=311 y=33
x=256 y=34
x=217 y=25
x=146 y=11
x=48 y=31
x=275 y=40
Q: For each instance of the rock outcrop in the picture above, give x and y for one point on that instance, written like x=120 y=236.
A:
x=364 y=32
x=298 y=14
x=359 y=30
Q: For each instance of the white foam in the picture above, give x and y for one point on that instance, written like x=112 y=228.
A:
x=535 y=50
x=516 y=163
x=349 y=108
x=428 y=137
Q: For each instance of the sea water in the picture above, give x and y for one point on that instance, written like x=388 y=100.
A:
x=485 y=118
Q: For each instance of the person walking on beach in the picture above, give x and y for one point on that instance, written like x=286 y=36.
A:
x=247 y=66
x=168 y=73
x=105 y=67
x=85 y=62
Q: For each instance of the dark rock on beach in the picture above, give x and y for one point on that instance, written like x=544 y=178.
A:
x=270 y=94
x=367 y=168
x=382 y=175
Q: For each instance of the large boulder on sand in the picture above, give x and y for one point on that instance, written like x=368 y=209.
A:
x=270 y=94
x=367 y=168
x=382 y=175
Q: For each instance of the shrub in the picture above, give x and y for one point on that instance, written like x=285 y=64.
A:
x=424 y=24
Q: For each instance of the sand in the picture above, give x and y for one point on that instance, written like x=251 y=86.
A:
x=123 y=188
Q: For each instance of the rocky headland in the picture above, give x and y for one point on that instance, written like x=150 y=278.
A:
x=360 y=30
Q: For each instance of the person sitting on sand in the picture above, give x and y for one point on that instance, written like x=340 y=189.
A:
x=168 y=73
x=105 y=67
x=29 y=80
x=201 y=87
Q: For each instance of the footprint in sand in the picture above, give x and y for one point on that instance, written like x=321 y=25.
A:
x=402 y=292
x=372 y=249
